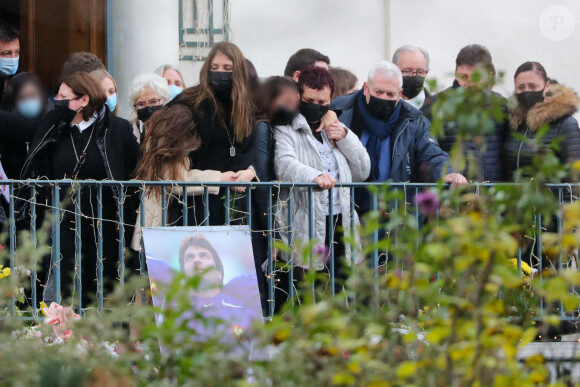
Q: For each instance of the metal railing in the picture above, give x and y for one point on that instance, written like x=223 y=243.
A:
x=71 y=205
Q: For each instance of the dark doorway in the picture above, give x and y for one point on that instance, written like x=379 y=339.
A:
x=51 y=30
x=10 y=12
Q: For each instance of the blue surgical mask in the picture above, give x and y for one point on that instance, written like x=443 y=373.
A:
x=9 y=66
x=30 y=108
x=112 y=102
x=175 y=90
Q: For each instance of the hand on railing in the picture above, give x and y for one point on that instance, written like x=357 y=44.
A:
x=325 y=181
x=245 y=175
x=456 y=180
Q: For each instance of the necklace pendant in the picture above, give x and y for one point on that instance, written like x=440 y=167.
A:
x=232 y=151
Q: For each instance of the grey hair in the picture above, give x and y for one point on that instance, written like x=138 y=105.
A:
x=163 y=68
x=410 y=48
x=140 y=82
x=387 y=69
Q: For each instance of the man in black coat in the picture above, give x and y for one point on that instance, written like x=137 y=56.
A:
x=485 y=151
x=9 y=54
x=395 y=134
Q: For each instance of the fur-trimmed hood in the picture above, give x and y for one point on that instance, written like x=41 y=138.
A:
x=561 y=101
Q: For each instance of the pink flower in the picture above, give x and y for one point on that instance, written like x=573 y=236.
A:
x=57 y=314
x=60 y=318
x=428 y=203
x=322 y=251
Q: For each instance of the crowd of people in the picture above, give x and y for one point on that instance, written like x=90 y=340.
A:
x=313 y=124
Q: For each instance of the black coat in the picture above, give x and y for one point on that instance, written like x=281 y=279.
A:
x=556 y=111
x=114 y=137
x=263 y=149
x=486 y=154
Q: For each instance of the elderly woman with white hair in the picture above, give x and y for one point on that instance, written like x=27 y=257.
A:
x=395 y=134
x=148 y=93
x=174 y=78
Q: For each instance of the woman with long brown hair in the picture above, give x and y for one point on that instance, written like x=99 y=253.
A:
x=165 y=148
x=222 y=109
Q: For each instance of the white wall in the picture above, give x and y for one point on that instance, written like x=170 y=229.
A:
x=144 y=36
x=355 y=34
x=510 y=29
x=350 y=32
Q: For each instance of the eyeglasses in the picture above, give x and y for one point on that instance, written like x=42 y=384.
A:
x=411 y=73
x=151 y=102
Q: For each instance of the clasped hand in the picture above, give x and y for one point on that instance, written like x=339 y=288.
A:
x=244 y=175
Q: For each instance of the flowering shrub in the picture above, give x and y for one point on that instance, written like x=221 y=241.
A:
x=452 y=305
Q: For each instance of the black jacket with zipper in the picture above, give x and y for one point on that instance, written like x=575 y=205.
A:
x=114 y=137
x=485 y=151
x=555 y=112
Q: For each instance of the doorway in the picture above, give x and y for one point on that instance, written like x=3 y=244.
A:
x=51 y=30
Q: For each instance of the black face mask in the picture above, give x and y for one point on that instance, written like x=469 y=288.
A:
x=527 y=99
x=221 y=84
x=64 y=112
x=313 y=112
x=381 y=108
x=412 y=86
x=146 y=113
x=283 y=116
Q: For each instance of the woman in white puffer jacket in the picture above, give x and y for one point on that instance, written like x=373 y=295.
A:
x=330 y=157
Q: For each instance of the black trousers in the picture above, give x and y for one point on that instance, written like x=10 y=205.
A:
x=323 y=280
x=88 y=269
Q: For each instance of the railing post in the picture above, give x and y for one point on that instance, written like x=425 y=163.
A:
x=311 y=236
x=100 y=248
x=56 y=221
x=375 y=256
x=331 y=240
x=34 y=237
x=185 y=209
x=78 y=248
x=12 y=224
x=270 y=256
x=290 y=226
x=121 y=218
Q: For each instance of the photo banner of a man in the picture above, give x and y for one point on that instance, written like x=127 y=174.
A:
x=228 y=289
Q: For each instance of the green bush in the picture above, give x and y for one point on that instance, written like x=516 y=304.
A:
x=451 y=306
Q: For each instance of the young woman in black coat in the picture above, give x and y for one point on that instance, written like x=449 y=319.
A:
x=540 y=103
x=79 y=139
x=277 y=101
x=223 y=111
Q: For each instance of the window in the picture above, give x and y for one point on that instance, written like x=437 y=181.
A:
x=202 y=23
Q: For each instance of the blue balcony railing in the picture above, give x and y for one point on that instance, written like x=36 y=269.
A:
x=63 y=204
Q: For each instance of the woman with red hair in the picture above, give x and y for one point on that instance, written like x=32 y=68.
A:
x=327 y=157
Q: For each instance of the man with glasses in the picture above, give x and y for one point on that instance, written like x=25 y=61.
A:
x=414 y=65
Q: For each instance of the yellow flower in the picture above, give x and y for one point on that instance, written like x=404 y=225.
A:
x=526 y=269
x=43 y=307
x=4 y=271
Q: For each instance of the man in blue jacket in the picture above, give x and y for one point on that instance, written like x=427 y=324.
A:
x=395 y=134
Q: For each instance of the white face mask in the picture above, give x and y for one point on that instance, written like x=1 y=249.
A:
x=9 y=66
